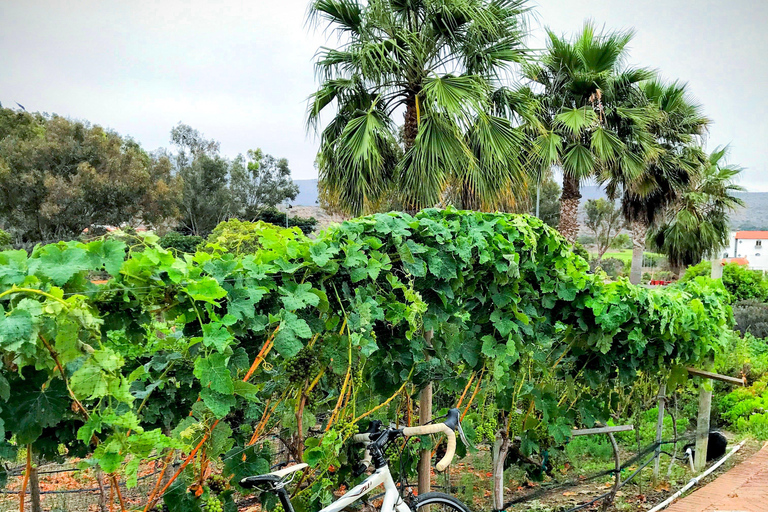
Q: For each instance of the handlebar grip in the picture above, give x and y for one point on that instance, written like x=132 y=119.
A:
x=450 y=450
x=434 y=429
x=362 y=438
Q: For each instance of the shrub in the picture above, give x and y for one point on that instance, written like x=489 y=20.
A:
x=614 y=267
x=743 y=355
x=661 y=275
x=579 y=250
x=741 y=282
x=243 y=237
x=751 y=317
x=276 y=217
x=5 y=240
x=622 y=241
x=585 y=239
x=181 y=243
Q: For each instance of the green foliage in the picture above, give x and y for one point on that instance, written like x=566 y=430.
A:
x=264 y=181
x=243 y=237
x=5 y=240
x=457 y=142
x=579 y=250
x=698 y=225
x=168 y=334
x=180 y=243
x=217 y=189
x=613 y=267
x=278 y=218
x=751 y=318
x=745 y=409
x=549 y=203
x=59 y=177
x=605 y=221
x=740 y=281
x=622 y=241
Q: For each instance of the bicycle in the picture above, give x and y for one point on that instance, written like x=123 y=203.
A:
x=375 y=441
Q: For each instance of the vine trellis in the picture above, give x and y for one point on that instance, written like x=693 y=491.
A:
x=204 y=354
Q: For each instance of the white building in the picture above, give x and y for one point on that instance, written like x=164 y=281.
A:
x=751 y=245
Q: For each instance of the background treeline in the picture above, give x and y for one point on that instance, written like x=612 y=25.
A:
x=61 y=178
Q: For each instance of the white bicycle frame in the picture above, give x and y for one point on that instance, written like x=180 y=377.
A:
x=392 y=501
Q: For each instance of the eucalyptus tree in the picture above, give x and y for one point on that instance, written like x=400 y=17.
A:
x=581 y=87
x=438 y=63
x=677 y=126
x=697 y=224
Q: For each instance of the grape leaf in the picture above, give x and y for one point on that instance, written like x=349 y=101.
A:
x=59 y=262
x=212 y=372
x=219 y=403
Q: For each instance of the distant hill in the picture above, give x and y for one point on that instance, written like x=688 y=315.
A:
x=753 y=216
x=307 y=193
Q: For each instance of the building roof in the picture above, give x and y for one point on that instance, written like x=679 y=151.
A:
x=752 y=235
x=737 y=261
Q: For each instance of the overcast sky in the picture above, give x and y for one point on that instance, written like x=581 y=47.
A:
x=240 y=71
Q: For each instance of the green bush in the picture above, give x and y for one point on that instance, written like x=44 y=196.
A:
x=585 y=240
x=276 y=217
x=243 y=237
x=614 y=267
x=751 y=317
x=660 y=275
x=5 y=240
x=181 y=243
x=579 y=250
x=622 y=241
x=741 y=282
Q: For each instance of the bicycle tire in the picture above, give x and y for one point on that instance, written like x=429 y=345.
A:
x=445 y=502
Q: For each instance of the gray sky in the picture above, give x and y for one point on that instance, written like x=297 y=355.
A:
x=240 y=71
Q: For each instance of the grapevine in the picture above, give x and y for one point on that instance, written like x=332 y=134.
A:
x=157 y=356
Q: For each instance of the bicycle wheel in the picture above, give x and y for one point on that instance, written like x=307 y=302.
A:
x=438 y=502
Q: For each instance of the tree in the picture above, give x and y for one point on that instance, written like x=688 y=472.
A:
x=697 y=225
x=678 y=123
x=217 y=189
x=438 y=61
x=264 y=181
x=60 y=177
x=605 y=221
x=581 y=86
x=207 y=199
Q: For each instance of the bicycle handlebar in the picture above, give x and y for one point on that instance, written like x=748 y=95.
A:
x=448 y=427
x=434 y=429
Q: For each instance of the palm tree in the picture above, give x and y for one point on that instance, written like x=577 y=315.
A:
x=677 y=125
x=697 y=224
x=438 y=61
x=582 y=84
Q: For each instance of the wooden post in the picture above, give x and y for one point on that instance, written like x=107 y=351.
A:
x=500 y=450
x=659 y=430
x=702 y=426
x=34 y=489
x=717 y=268
x=425 y=416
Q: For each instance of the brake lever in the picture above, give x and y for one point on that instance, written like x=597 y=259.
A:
x=464 y=439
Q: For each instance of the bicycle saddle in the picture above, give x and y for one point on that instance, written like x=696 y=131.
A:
x=250 y=482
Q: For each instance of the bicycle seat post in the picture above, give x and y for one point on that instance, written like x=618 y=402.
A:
x=284 y=497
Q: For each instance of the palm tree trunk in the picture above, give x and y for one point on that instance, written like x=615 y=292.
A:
x=639 y=231
x=411 y=125
x=569 y=208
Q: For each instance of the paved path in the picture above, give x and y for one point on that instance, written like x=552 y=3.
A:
x=742 y=489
